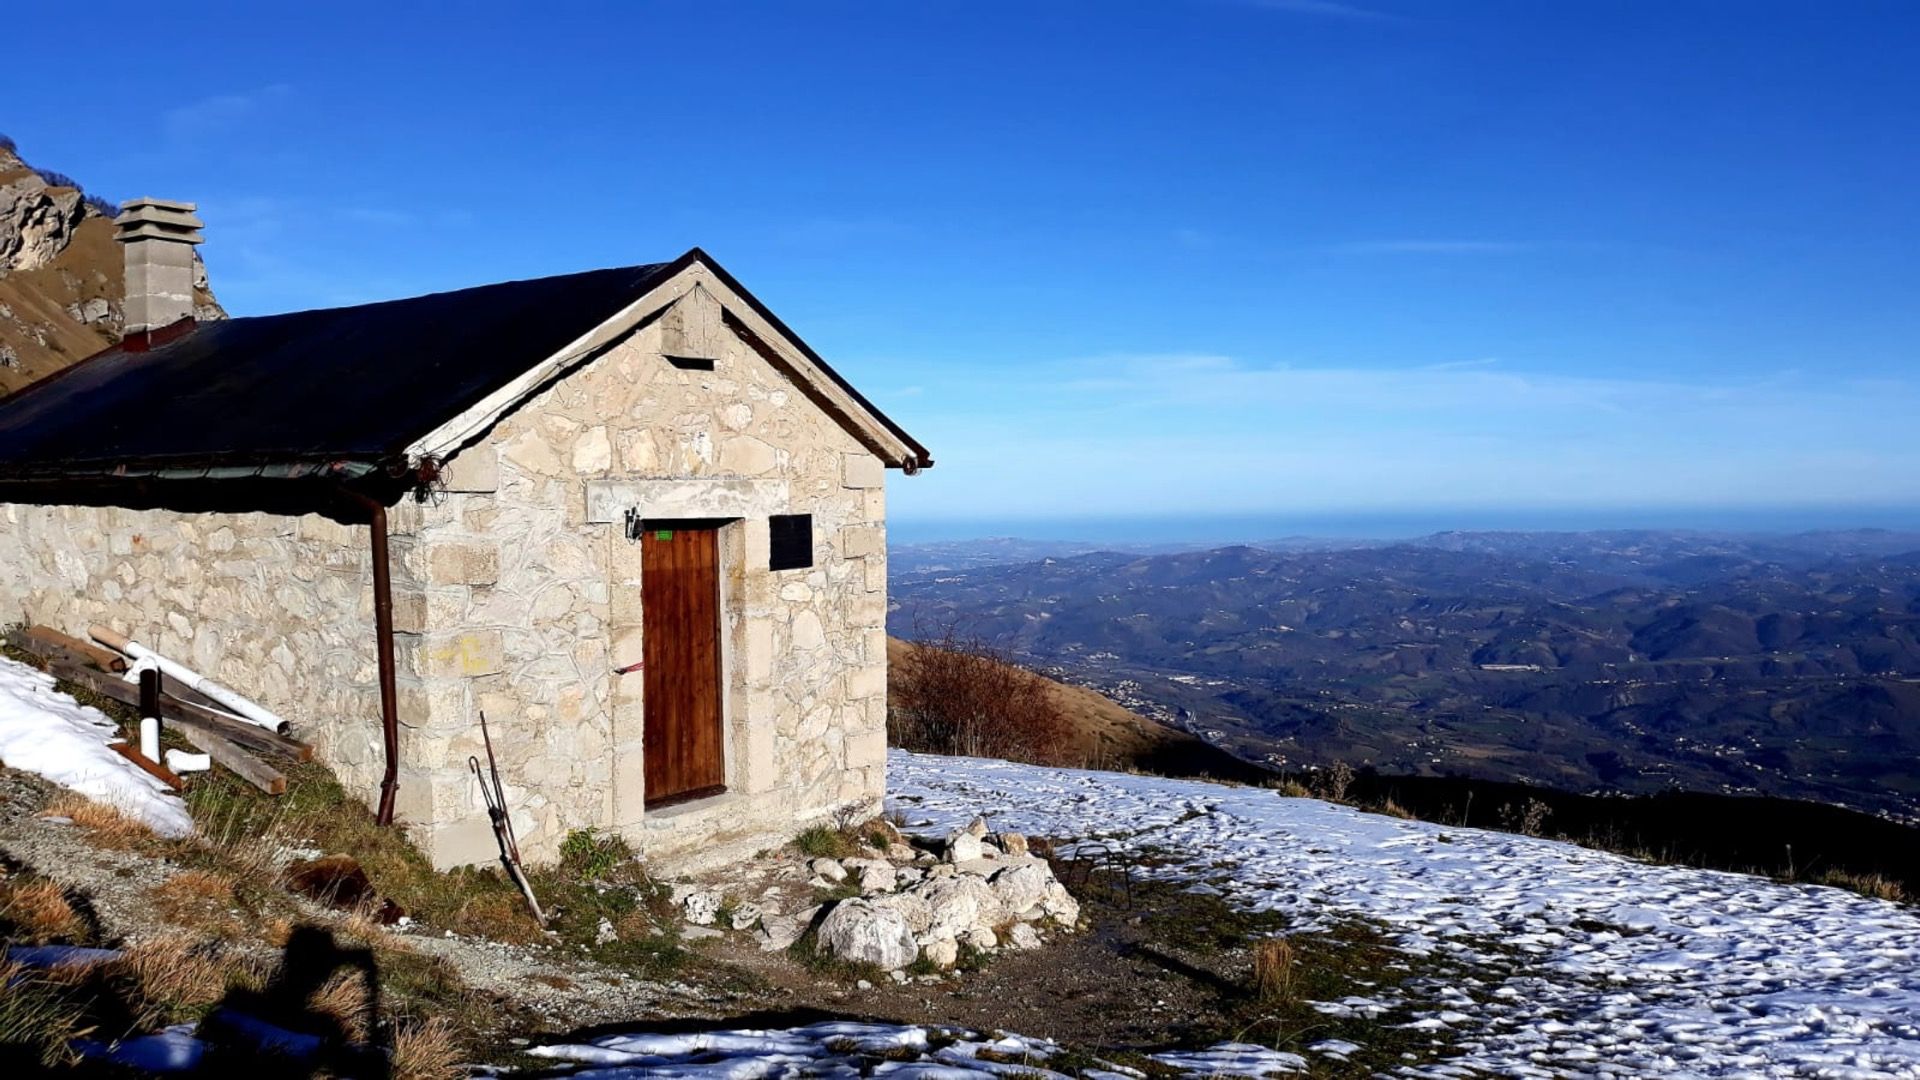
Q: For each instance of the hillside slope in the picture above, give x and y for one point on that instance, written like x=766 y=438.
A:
x=62 y=277
x=1107 y=735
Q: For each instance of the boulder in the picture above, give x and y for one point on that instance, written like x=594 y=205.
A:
x=941 y=953
x=1012 y=843
x=960 y=903
x=912 y=907
x=745 y=915
x=900 y=852
x=867 y=933
x=779 y=932
x=1023 y=936
x=964 y=846
x=701 y=907
x=876 y=876
x=1061 y=906
x=830 y=869
x=982 y=938
x=1022 y=886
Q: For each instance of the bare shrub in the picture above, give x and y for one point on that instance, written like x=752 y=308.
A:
x=960 y=694
x=1273 y=970
x=1332 y=782
x=1528 y=819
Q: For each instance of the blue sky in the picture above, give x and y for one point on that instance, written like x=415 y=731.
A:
x=1267 y=258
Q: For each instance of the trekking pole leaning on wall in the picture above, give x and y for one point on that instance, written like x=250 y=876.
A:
x=494 y=794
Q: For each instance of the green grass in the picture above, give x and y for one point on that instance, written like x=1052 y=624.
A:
x=823 y=842
x=586 y=854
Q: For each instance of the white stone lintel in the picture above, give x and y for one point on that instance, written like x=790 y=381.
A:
x=693 y=497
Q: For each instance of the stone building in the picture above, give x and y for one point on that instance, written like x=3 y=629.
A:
x=626 y=513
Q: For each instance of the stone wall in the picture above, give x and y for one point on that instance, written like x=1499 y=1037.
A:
x=279 y=608
x=530 y=597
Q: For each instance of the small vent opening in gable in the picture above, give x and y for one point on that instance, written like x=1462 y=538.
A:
x=790 y=541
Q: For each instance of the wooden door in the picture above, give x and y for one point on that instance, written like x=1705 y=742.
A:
x=680 y=617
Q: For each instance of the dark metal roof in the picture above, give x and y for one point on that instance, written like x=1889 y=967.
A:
x=341 y=390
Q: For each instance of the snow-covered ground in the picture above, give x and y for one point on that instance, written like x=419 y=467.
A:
x=1594 y=965
x=843 y=1049
x=47 y=732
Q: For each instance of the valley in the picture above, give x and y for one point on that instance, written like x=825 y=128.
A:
x=1633 y=662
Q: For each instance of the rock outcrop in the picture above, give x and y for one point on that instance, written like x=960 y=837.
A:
x=892 y=901
x=982 y=892
x=62 y=278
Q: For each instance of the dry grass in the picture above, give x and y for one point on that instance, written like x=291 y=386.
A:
x=35 y=909
x=107 y=826
x=1273 y=970
x=426 y=1051
x=1873 y=885
x=1394 y=809
x=38 y=1018
x=167 y=979
x=203 y=902
x=348 y=1000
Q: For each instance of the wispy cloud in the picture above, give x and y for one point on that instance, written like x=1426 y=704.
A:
x=1430 y=247
x=1325 y=9
x=217 y=114
x=1151 y=433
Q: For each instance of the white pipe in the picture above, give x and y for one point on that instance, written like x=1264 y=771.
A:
x=182 y=762
x=247 y=709
x=150 y=738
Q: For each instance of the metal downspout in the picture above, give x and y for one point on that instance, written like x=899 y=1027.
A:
x=383 y=629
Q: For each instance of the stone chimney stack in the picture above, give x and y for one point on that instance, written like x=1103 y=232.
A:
x=159 y=236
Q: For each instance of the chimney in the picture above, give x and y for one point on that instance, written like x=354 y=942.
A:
x=159 y=236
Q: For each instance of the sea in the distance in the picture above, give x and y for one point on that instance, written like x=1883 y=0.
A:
x=1152 y=528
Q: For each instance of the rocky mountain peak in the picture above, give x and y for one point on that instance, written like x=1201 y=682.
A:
x=62 y=278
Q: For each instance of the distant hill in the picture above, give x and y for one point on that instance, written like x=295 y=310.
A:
x=1633 y=662
x=62 y=278
x=1109 y=736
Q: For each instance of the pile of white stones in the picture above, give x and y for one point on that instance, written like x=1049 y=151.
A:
x=981 y=890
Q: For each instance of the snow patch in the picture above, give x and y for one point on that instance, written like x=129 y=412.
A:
x=1622 y=967
x=47 y=732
